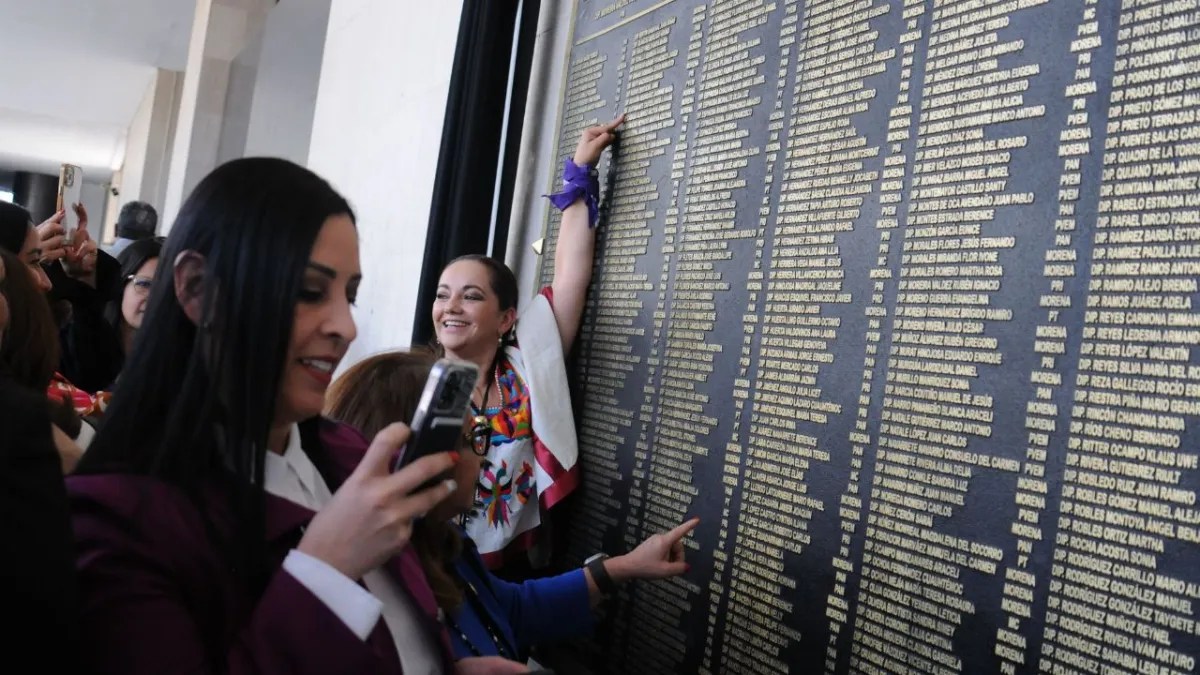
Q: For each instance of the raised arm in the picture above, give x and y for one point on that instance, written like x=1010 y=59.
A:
x=576 y=244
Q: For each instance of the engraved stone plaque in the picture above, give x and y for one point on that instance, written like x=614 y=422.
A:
x=897 y=296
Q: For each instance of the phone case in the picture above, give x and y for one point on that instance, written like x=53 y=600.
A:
x=70 y=192
x=438 y=423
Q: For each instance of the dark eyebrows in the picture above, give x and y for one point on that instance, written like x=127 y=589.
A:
x=327 y=271
x=331 y=273
x=465 y=288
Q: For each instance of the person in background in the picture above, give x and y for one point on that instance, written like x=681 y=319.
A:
x=221 y=524
x=522 y=396
x=19 y=237
x=486 y=615
x=69 y=273
x=41 y=342
x=37 y=576
x=29 y=355
x=136 y=221
x=127 y=305
x=82 y=279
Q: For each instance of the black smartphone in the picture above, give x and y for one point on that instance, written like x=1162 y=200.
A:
x=437 y=425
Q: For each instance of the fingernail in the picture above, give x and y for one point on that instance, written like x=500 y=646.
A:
x=687 y=567
x=451 y=485
x=454 y=456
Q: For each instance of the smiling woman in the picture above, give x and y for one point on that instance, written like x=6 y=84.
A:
x=222 y=525
x=522 y=400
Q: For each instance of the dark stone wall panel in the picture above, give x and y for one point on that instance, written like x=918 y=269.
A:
x=897 y=297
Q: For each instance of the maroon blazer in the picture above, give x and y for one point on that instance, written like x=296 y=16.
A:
x=155 y=597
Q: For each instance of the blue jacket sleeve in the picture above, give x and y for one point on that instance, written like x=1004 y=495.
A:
x=545 y=610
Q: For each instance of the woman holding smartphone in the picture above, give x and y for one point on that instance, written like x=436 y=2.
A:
x=221 y=524
x=31 y=354
x=486 y=615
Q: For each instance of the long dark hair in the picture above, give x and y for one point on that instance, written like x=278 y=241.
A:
x=30 y=349
x=195 y=403
x=135 y=255
x=371 y=395
x=15 y=222
x=29 y=352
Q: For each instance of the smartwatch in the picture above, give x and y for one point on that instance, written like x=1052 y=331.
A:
x=604 y=582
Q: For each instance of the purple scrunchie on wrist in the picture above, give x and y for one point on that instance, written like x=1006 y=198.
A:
x=578 y=183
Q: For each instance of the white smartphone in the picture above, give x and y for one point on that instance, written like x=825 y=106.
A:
x=70 y=193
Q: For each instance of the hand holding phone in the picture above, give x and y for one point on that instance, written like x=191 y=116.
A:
x=371 y=515
x=437 y=425
x=70 y=193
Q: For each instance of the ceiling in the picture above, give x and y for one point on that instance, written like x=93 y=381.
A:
x=75 y=73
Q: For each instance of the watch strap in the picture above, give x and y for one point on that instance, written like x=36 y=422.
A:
x=600 y=575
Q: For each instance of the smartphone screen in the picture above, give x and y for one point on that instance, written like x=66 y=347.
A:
x=70 y=192
x=437 y=425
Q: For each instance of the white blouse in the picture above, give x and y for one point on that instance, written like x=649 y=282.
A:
x=295 y=478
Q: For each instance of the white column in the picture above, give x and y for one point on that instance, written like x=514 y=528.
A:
x=376 y=135
x=535 y=175
x=219 y=31
x=285 y=89
x=149 y=142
